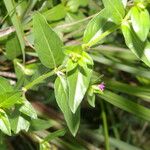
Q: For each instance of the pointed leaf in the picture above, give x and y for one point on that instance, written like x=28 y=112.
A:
x=127 y=105
x=54 y=135
x=134 y=43
x=78 y=81
x=8 y=99
x=4 y=123
x=140 y=22
x=97 y=26
x=13 y=48
x=91 y=97
x=56 y=13
x=28 y=109
x=5 y=86
x=116 y=9
x=61 y=94
x=40 y=124
x=47 y=43
x=19 y=123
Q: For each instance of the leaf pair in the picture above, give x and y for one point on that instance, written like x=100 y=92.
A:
x=8 y=98
x=136 y=32
x=71 y=88
x=105 y=22
x=139 y=48
x=62 y=98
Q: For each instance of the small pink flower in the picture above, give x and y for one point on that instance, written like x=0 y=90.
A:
x=101 y=86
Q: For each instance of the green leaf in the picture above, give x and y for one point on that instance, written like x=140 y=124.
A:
x=18 y=123
x=114 y=142
x=8 y=99
x=126 y=105
x=142 y=92
x=147 y=50
x=40 y=124
x=54 y=135
x=61 y=94
x=47 y=43
x=4 y=123
x=140 y=22
x=13 y=48
x=97 y=27
x=5 y=85
x=137 y=71
x=10 y=6
x=75 y=4
x=134 y=43
x=56 y=13
x=91 y=97
x=78 y=81
x=28 y=109
x=116 y=9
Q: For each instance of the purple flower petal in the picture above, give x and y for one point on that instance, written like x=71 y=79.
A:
x=101 y=86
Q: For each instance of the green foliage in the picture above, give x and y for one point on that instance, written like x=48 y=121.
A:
x=47 y=43
x=4 y=123
x=10 y=6
x=62 y=98
x=70 y=63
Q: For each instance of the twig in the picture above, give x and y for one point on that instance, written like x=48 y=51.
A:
x=6 y=31
x=7 y=74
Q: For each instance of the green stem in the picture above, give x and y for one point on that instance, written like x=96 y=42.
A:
x=105 y=127
x=39 y=80
x=112 y=118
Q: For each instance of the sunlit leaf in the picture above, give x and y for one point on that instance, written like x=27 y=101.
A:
x=134 y=43
x=140 y=22
x=61 y=94
x=47 y=43
x=78 y=81
x=97 y=26
x=116 y=9
x=4 y=123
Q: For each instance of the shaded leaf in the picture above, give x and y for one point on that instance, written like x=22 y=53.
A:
x=56 y=13
x=10 y=6
x=40 y=124
x=127 y=105
x=13 y=48
x=19 y=123
x=142 y=92
x=75 y=4
x=54 y=135
x=28 y=109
